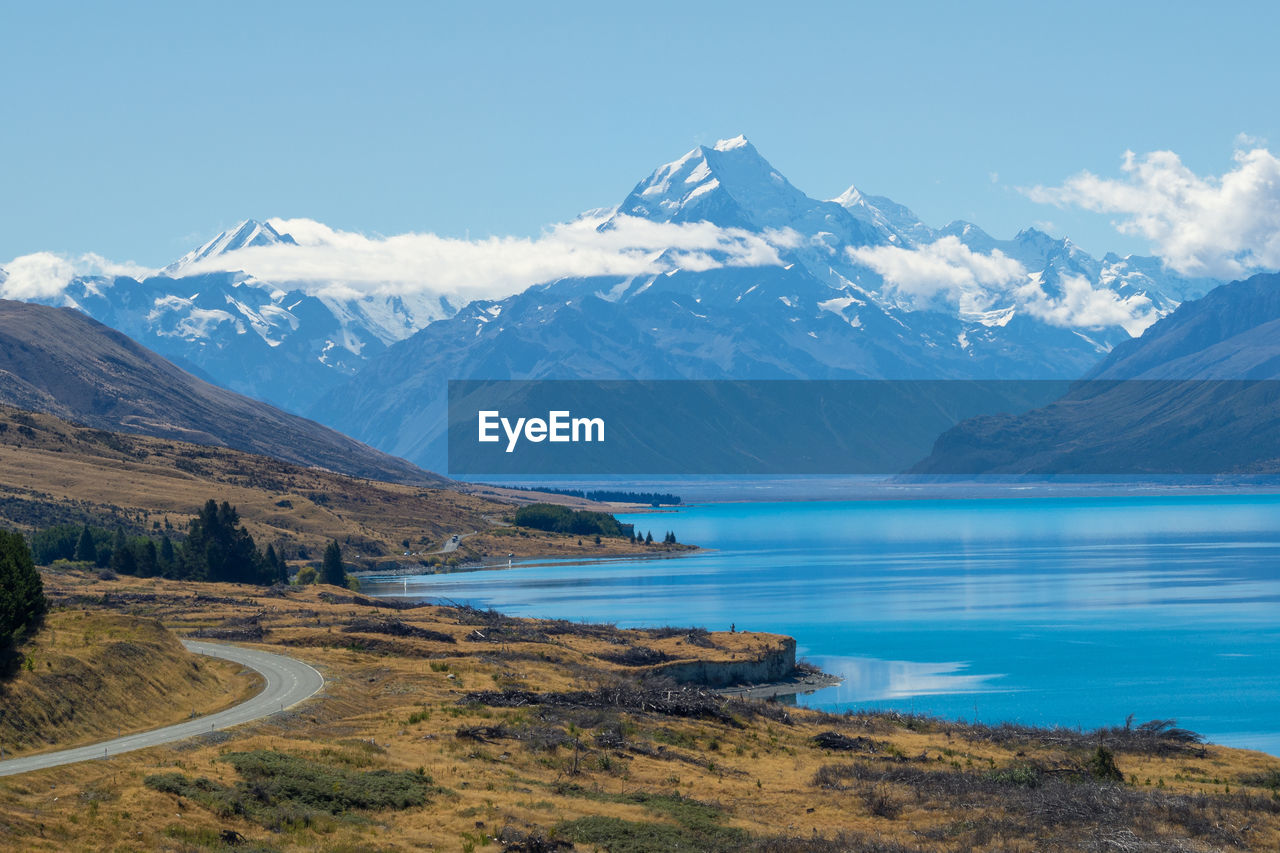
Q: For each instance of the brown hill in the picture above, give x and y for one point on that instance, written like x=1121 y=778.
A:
x=62 y=362
x=55 y=472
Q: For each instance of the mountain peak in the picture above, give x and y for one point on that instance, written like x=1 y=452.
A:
x=851 y=197
x=738 y=141
x=886 y=215
x=728 y=184
x=243 y=235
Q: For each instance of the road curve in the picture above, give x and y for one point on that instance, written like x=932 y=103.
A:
x=288 y=682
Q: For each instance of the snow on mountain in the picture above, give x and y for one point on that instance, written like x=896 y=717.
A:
x=898 y=222
x=731 y=185
x=283 y=342
x=248 y=233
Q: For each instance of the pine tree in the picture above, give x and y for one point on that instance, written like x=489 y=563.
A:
x=148 y=560
x=648 y=539
x=218 y=548
x=331 y=570
x=86 y=551
x=121 y=560
x=167 y=557
x=22 y=601
x=276 y=566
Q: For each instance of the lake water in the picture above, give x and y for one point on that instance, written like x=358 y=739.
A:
x=1048 y=611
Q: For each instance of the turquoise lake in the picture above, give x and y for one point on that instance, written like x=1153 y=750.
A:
x=1047 y=611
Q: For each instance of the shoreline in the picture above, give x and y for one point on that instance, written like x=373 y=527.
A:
x=503 y=565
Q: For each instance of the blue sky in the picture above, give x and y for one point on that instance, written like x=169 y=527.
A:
x=137 y=130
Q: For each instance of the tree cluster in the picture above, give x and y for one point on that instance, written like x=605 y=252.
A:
x=647 y=539
x=560 y=519
x=610 y=495
x=216 y=547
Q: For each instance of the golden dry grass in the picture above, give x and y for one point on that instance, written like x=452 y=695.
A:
x=397 y=699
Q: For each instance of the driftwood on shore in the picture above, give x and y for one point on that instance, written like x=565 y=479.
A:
x=641 y=698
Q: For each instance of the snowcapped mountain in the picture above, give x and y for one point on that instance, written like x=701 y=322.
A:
x=245 y=235
x=732 y=186
x=757 y=280
x=847 y=300
x=281 y=342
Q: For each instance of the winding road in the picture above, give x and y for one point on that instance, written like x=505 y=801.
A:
x=288 y=682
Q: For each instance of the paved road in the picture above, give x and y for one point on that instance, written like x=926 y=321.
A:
x=452 y=543
x=289 y=682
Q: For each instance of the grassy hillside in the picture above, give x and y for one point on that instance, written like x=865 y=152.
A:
x=91 y=674
x=54 y=472
x=447 y=729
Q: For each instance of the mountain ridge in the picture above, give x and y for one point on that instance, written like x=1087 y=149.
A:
x=1197 y=394
x=62 y=362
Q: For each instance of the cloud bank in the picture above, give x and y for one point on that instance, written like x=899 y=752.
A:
x=347 y=265
x=949 y=272
x=338 y=263
x=1227 y=226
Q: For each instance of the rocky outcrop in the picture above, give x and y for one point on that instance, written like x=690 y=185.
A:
x=774 y=664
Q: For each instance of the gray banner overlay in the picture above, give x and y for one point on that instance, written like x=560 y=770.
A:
x=876 y=427
x=715 y=427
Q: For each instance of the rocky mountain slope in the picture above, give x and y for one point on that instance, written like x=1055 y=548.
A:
x=59 y=361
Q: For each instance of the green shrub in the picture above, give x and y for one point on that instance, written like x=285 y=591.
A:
x=281 y=790
x=697 y=826
x=1017 y=774
x=629 y=836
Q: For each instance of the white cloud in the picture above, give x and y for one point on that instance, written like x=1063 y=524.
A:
x=43 y=275
x=332 y=262
x=1083 y=305
x=1226 y=226
x=36 y=276
x=943 y=271
x=947 y=271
